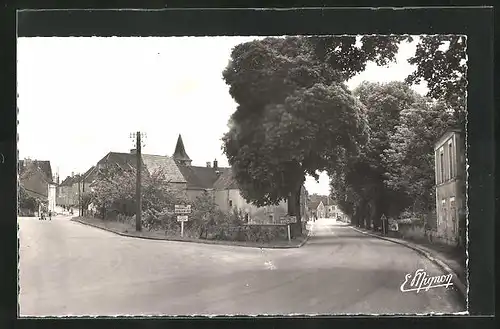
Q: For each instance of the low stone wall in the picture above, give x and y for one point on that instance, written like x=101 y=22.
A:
x=418 y=233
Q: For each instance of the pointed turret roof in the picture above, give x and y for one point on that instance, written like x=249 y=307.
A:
x=180 y=151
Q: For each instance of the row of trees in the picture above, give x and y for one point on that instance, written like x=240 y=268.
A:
x=295 y=117
x=394 y=170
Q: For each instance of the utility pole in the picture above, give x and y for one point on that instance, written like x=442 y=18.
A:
x=138 y=222
x=79 y=199
x=83 y=192
x=138 y=195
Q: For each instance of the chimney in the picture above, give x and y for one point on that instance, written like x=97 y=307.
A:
x=133 y=151
x=215 y=165
x=209 y=164
x=72 y=174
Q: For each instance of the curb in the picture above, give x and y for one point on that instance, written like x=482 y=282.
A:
x=456 y=281
x=219 y=243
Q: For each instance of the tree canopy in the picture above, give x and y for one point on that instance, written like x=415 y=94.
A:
x=441 y=61
x=409 y=159
x=26 y=201
x=116 y=188
x=361 y=181
x=295 y=116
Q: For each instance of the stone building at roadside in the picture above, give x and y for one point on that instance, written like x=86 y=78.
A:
x=450 y=173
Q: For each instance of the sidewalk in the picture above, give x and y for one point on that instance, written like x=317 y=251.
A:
x=449 y=258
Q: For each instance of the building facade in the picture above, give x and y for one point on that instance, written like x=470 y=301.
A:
x=36 y=178
x=220 y=182
x=450 y=172
x=192 y=181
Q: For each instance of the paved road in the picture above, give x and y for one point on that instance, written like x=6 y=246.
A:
x=67 y=268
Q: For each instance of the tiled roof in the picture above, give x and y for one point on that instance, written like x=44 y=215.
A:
x=199 y=177
x=313 y=204
x=42 y=165
x=226 y=180
x=68 y=181
x=151 y=163
x=166 y=164
x=90 y=174
x=35 y=195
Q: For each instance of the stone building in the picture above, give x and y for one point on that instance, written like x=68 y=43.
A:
x=220 y=182
x=450 y=188
x=191 y=179
x=37 y=179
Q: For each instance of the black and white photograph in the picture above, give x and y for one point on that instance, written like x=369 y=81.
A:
x=242 y=175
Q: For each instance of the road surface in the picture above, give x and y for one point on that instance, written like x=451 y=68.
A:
x=67 y=268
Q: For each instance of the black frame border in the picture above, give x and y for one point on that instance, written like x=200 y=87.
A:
x=476 y=23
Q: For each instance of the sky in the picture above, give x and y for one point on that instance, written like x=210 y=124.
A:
x=80 y=98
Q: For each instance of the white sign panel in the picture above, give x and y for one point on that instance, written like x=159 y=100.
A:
x=182 y=218
x=181 y=209
x=288 y=219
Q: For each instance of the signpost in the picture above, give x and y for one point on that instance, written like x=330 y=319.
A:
x=287 y=220
x=182 y=211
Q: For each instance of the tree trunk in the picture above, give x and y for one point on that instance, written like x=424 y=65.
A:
x=375 y=214
x=364 y=214
x=294 y=210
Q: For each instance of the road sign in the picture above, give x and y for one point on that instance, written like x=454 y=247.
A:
x=182 y=209
x=182 y=218
x=288 y=219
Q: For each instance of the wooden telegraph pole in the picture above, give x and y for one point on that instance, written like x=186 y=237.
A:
x=138 y=223
x=79 y=198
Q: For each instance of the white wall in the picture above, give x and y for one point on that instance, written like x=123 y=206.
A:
x=52 y=197
x=256 y=214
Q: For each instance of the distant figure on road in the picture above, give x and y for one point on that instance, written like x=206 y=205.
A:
x=50 y=215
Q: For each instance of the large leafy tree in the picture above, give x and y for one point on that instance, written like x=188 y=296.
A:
x=409 y=160
x=441 y=61
x=362 y=180
x=294 y=114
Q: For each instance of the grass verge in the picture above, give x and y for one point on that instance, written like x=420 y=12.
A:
x=127 y=229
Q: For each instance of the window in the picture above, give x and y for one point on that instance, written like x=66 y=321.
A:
x=441 y=165
x=230 y=203
x=442 y=213
x=453 y=215
x=450 y=158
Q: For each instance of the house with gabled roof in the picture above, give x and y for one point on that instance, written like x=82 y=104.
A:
x=36 y=178
x=193 y=180
x=67 y=195
x=198 y=179
x=75 y=185
x=150 y=164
